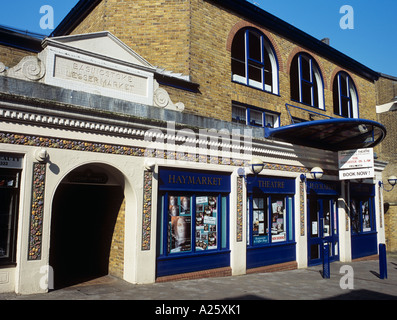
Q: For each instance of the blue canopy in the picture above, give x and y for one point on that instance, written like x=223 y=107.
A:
x=331 y=134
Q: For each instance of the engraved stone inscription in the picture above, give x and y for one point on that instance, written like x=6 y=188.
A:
x=99 y=76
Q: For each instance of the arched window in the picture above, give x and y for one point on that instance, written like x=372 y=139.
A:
x=306 y=81
x=345 y=96
x=254 y=62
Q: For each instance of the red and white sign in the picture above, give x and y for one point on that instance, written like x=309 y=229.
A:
x=356 y=164
x=354 y=159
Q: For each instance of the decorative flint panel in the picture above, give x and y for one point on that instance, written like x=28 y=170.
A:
x=302 y=208
x=37 y=211
x=147 y=210
x=239 y=209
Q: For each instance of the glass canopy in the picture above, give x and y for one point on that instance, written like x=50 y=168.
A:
x=331 y=134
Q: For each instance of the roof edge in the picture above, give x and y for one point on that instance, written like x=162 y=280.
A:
x=79 y=12
x=251 y=12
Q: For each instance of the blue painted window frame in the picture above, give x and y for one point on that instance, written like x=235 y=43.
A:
x=317 y=99
x=360 y=223
x=289 y=219
x=339 y=96
x=222 y=224
x=361 y=193
x=247 y=120
x=252 y=62
x=168 y=262
x=267 y=193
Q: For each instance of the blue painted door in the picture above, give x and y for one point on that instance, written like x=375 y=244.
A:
x=322 y=227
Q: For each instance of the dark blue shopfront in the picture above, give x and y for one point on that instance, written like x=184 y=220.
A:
x=193 y=223
x=270 y=219
x=322 y=220
x=363 y=223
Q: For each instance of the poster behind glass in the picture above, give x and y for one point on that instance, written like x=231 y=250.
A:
x=366 y=216
x=259 y=222
x=355 y=219
x=206 y=223
x=180 y=222
x=278 y=220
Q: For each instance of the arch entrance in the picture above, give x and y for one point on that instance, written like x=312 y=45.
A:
x=84 y=214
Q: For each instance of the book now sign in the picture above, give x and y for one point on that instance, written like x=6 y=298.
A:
x=356 y=164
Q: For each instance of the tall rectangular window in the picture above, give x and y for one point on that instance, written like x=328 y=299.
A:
x=362 y=215
x=194 y=223
x=9 y=198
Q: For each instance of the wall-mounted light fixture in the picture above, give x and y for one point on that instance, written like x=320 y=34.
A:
x=316 y=173
x=392 y=181
x=255 y=167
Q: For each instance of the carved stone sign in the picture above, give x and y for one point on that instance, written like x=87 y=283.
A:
x=99 y=76
x=96 y=63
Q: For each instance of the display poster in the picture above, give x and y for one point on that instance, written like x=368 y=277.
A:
x=365 y=216
x=259 y=219
x=206 y=223
x=278 y=221
x=355 y=220
x=180 y=222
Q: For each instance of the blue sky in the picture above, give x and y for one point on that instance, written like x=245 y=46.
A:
x=372 y=42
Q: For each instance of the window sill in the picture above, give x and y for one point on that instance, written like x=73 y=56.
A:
x=5 y=265
x=255 y=88
x=190 y=254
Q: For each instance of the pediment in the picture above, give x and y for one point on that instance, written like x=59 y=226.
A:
x=101 y=43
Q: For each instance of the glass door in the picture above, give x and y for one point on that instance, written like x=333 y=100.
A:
x=322 y=228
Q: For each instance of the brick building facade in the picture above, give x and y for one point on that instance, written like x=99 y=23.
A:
x=165 y=110
x=386 y=106
x=195 y=38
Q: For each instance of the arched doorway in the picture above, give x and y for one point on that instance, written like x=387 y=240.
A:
x=84 y=213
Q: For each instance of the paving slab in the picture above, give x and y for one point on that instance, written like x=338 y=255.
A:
x=357 y=281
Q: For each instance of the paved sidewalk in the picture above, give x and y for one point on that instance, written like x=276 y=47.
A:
x=304 y=284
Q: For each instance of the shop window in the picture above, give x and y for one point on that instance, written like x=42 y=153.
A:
x=254 y=62
x=195 y=223
x=193 y=228
x=345 y=96
x=254 y=117
x=270 y=220
x=362 y=215
x=9 y=199
x=306 y=81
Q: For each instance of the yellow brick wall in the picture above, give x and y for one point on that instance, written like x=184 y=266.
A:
x=116 y=257
x=386 y=91
x=94 y=22
x=193 y=37
x=391 y=227
x=10 y=57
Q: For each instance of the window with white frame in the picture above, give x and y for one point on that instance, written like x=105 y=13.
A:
x=254 y=62
x=345 y=96
x=306 y=81
x=254 y=117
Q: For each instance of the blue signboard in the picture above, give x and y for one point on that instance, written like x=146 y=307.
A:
x=268 y=185
x=362 y=189
x=186 y=180
x=326 y=188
